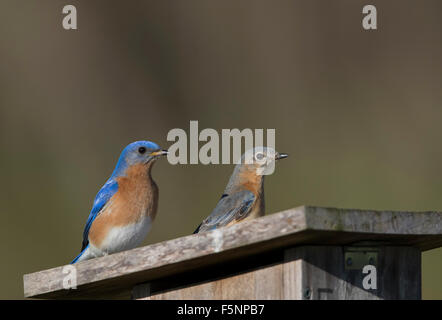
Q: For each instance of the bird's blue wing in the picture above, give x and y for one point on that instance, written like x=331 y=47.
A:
x=235 y=206
x=102 y=197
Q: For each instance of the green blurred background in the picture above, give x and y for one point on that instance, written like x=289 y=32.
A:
x=358 y=111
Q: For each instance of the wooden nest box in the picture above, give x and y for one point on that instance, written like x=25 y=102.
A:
x=301 y=253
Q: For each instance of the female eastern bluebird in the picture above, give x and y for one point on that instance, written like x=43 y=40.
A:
x=243 y=197
x=125 y=207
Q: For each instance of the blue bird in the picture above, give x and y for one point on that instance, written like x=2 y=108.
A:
x=243 y=197
x=125 y=207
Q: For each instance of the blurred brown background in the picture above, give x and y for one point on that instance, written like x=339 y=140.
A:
x=358 y=111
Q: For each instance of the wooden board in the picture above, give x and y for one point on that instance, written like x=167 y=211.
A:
x=308 y=273
x=116 y=274
x=262 y=284
x=322 y=274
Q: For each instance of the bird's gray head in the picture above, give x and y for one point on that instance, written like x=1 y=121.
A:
x=261 y=159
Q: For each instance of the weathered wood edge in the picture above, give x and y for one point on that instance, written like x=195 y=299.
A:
x=301 y=225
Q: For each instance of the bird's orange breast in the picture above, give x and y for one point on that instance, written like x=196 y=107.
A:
x=249 y=180
x=136 y=198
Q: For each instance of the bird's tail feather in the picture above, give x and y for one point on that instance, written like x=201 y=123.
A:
x=197 y=229
x=80 y=255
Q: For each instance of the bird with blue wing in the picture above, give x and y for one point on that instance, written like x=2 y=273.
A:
x=125 y=207
x=243 y=198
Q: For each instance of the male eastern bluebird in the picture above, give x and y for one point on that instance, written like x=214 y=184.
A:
x=243 y=197
x=125 y=207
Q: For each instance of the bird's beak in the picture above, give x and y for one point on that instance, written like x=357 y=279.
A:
x=159 y=153
x=281 y=156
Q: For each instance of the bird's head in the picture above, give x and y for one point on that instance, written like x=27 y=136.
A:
x=138 y=153
x=261 y=160
x=142 y=152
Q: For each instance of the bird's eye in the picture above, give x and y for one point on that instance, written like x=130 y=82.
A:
x=141 y=150
x=259 y=156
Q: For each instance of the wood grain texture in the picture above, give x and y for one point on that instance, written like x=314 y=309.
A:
x=116 y=274
x=263 y=284
x=323 y=275
x=310 y=273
